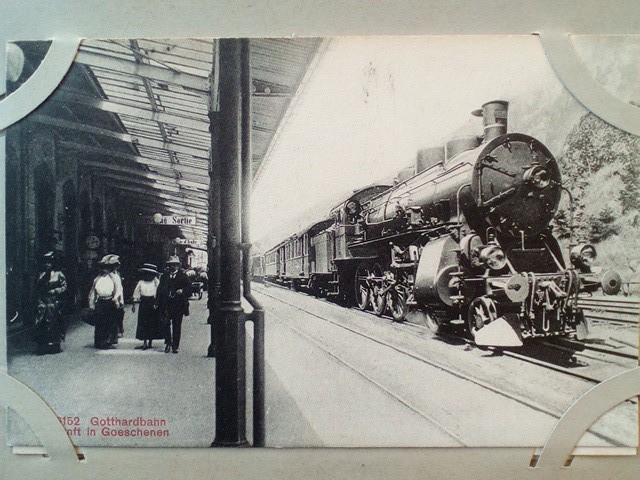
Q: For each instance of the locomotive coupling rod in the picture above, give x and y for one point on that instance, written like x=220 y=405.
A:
x=388 y=287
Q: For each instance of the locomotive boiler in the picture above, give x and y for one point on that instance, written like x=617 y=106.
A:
x=462 y=237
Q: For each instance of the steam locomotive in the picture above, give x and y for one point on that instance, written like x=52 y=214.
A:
x=463 y=237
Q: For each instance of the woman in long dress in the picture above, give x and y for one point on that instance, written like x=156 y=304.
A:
x=104 y=300
x=144 y=294
x=49 y=325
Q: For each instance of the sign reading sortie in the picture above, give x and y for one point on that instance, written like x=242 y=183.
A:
x=168 y=220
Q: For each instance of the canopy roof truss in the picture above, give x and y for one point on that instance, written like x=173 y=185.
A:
x=161 y=92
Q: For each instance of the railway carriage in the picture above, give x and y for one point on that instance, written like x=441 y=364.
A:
x=292 y=261
x=464 y=237
x=273 y=266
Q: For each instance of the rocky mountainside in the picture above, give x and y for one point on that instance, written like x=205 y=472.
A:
x=601 y=168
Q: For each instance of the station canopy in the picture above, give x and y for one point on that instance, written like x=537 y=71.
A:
x=159 y=91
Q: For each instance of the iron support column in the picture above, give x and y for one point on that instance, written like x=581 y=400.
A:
x=213 y=239
x=257 y=316
x=230 y=360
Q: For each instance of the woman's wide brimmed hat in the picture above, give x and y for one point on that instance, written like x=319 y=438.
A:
x=110 y=260
x=149 y=268
x=173 y=260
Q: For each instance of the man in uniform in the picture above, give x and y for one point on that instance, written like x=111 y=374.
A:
x=173 y=295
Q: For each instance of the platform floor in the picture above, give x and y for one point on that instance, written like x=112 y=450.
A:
x=305 y=400
x=325 y=387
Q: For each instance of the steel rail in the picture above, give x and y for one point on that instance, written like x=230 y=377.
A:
x=520 y=399
x=586 y=346
x=362 y=374
x=512 y=396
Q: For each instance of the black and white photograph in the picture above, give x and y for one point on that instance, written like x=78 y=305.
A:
x=411 y=241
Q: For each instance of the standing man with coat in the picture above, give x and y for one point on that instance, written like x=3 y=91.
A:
x=173 y=295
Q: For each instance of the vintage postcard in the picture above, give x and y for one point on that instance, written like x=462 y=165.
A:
x=444 y=242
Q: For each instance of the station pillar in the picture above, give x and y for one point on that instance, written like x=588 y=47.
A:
x=213 y=237
x=230 y=317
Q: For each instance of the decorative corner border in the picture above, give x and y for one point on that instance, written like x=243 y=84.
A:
x=34 y=410
x=579 y=81
x=584 y=413
x=41 y=84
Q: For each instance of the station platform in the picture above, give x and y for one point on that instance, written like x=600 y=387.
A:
x=335 y=377
x=310 y=399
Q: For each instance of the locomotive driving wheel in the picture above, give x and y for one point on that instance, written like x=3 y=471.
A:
x=379 y=299
x=364 y=283
x=482 y=311
x=397 y=303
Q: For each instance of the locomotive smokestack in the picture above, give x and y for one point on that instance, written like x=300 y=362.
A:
x=494 y=118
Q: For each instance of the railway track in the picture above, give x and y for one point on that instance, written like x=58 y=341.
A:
x=617 y=309
x=592 y=305
x=570 y=348
x=526 y=355
x=521 y=399
x=555 y=367
x=432 y=420
x=581 y=346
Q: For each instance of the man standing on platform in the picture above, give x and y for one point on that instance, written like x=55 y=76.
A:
x=173 y=295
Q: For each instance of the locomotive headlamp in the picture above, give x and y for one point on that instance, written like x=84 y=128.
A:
x=493 y=257
x=583 y=255
x=537 y=176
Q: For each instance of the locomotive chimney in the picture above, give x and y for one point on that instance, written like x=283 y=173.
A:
x=494 y=118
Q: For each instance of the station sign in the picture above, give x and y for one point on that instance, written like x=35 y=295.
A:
x=189 y=243
x=168 y=220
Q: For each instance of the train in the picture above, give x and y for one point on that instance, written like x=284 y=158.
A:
x=462 y=237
